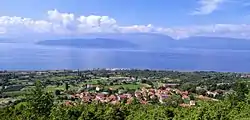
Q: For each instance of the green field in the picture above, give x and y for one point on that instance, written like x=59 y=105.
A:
x=5 y=100
x=96 y=81
x=15 y=93
x=56 y=78
x=100 y=80
x=128 y=86
x=52 y=88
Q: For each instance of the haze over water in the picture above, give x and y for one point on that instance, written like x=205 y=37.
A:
x=27 y=56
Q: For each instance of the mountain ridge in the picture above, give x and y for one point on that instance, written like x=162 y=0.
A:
x=150 y=42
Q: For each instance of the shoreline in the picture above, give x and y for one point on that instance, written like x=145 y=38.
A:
x=114 y=69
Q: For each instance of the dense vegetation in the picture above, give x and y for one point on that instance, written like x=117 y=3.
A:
x=40 y=105
x=42 y=102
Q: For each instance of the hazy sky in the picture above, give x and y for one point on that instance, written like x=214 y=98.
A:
x=177 y=18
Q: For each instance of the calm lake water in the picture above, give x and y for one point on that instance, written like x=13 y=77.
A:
x=27 y=56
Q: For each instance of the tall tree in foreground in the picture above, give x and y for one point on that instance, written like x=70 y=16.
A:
x=66 y=86
x=40 y=101
x=241 y=89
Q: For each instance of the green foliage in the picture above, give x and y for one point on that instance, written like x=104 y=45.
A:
x=173 y=100
x=150 y=112
x=201 y=92
x=241 y=90
x=66 y=86
x=39 y=101
x=192 y=97
x=40 y=105
x=57 y=92
x=222 y=110
x=188 y=87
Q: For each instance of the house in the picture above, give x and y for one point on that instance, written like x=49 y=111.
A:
x=114 y=102
x=185 y=105
x=130 y=100
x=97 y=88
x=192 y=103
x=205 y=98
x=184 y=93
x=86 y=99
x=185 y=97
x=128 y=95
x=163 y=96
x=89 y=86
x=138 y=94
x=68 y=103
x=171 y=85
x=143 y=102
x=152 y=96
x=245 y=76
x=112 y=98
x=212 y=93
x=100 y=96
x=122 y=97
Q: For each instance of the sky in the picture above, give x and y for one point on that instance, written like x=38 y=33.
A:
x=176 y=18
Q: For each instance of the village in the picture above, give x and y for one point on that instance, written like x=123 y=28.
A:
x=163 y=95
x=143 y=96
x=118 y=86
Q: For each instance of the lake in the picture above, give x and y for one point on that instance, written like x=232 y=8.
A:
x=28 y=56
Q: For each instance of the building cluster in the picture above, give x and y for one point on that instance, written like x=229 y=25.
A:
x=245 y=76
x=143 y=96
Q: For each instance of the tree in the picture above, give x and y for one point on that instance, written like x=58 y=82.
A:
x=201 y=92
x=248 y=98
x=108 y=76
x=212 y=87
x=66 y=86
x=99 y=82
x=173 y=100
x=188 y=87
x=241 y=90
x=57 y=92
x=192 y=97
x=40 y=101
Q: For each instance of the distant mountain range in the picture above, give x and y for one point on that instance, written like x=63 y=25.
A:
x=90 y=43
x=149 y=41
x=3 y=40
x=215 y=43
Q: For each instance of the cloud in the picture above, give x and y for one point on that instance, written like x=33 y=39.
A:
x=137 y=28
x=207 y=7
x=58 y=23
x=23 y=25
x=93 y=23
